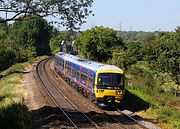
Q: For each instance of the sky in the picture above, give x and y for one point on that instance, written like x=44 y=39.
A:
x=135 y=15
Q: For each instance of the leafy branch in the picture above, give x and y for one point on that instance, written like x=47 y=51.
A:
x=70 y=13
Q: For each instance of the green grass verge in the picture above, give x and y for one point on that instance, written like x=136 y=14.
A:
x=161 y=107
x=13 y=111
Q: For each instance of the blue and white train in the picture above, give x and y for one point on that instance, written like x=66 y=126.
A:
x=98 y=81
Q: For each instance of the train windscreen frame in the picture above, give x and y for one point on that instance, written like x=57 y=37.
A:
x=110 y=79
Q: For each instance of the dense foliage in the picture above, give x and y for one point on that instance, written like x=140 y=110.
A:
x=58 y=38
x=98 y=43
x=70 y=13
x=151 y=62
x=162 y=53
x=165 y=53
x=32 y=33
x=23 y=40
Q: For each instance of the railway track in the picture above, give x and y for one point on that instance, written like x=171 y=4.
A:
x=125 y=119
x=121 y=118
x=143 y=124
x=75 y=118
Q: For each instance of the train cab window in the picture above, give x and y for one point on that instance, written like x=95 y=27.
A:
x=104 y=79
x=110 y=79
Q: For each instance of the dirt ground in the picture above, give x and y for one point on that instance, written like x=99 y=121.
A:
x=34 y=98
x=44 y=113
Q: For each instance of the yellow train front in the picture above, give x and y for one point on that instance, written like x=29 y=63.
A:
x=98 y=81
x=109 y=84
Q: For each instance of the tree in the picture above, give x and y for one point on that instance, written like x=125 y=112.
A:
x=120 y=59
x=98 y=43
x=7 y=57
x=56 y=40
x=31 y=36
x=134 y=51
x=165 y=53
x=69 y=12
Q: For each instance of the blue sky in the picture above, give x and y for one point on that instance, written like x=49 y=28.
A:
x=135 y=15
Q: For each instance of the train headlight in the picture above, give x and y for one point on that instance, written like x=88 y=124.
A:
x=118 y=92
x=101 y=91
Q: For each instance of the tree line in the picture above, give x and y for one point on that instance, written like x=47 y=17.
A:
x=30 y=34
x=23 y=40
x=152 y=60
x=145 y=55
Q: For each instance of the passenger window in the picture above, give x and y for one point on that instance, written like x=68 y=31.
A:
x=78 y=73
x=69 y=70
x=90 y=81
x=72 y=71
x=83 y=78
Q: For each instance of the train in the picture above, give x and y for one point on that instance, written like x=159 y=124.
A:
x=99 y=82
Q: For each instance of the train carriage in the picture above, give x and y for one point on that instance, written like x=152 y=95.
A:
x=101 y=82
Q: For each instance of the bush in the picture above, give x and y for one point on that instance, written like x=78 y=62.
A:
x=15 y=116
x=165 y=82
x=98 y=43
x=7 y=58
x=26 y=54
x=141 y=74
x=17 y=68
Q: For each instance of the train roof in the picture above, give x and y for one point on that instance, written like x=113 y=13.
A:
x=89 y=64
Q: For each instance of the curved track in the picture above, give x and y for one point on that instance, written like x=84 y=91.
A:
x=123 y=118
x=75 y=118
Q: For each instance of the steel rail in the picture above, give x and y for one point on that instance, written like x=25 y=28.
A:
x=105 y=112
x=49 y=94
x=136 y=121
x=54 y=100
x=70 y=101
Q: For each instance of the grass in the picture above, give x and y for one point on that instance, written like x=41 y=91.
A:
x=162 y=107
x=11 y=90
x=19 y=68
x=13 y=111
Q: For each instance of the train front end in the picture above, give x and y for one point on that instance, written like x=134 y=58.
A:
x=109 y=84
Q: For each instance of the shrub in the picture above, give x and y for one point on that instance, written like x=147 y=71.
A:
x=141 y=74
x=15 y=116
x=17 y=68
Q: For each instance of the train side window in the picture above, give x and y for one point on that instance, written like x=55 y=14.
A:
x=78 y=73
x=83 y=78
x=61 y=64
x=65 y=67
x=69 y=70
x=90 y=81
x=72 y=71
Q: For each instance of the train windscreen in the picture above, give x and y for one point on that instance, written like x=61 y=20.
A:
x=110 y=79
